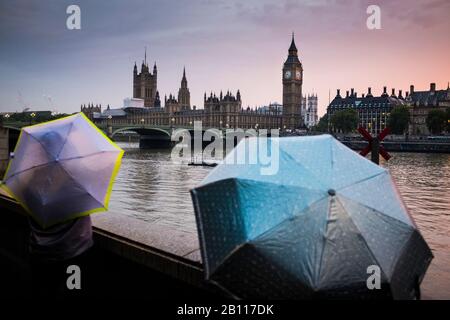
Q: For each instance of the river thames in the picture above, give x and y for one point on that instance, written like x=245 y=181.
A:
x=152 y=188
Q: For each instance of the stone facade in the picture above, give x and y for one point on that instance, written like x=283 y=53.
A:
x=292 y=78
x=310 y=110
x=373 y=111
x=90 y=109
x=183 y=103
x=421 y=102
x=145 y=85
x=220 y=111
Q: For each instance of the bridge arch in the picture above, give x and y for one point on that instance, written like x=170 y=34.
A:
x=144 y=131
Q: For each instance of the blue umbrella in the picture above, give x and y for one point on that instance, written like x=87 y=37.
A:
x=321 y=226
x=62 y=169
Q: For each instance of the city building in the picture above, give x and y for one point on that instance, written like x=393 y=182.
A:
x=310 y=110
x=373 y=111
x=172 y=105
x=223 y=110
x=145 y=84
x=90 y=109
x=421 y=102
x=292 y=78
x=274 y=108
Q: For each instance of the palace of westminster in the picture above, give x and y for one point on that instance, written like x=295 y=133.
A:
x=223 y=110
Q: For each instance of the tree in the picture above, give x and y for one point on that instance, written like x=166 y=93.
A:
x=436 y=121
x=322 y=126
x=345 y=120
x=399 y=120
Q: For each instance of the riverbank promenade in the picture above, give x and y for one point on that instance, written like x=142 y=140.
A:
x=129 y=259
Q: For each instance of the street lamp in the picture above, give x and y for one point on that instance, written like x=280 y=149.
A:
x=172 y=121
x=32 y=115
x=142 y=121
x=220 y=124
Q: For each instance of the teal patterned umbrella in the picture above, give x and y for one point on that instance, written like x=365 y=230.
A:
x=314 y=229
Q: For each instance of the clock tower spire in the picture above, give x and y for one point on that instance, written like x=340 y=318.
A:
x=292 y=88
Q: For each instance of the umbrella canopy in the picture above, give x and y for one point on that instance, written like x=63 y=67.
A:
x=62 y=169
x=313 y=229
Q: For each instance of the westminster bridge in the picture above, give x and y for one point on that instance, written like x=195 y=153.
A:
x=150 y=135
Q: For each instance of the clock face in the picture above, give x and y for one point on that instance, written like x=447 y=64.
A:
x=287 y=75
x=298 y=74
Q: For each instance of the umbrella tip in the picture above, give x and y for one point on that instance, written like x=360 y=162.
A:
x=331 y=192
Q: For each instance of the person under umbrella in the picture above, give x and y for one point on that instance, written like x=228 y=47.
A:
x=317 y=228
x=62 y=171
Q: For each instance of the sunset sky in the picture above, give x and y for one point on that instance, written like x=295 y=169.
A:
x=224 y=44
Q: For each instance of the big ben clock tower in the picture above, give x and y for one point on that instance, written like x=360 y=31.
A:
x=292 y=89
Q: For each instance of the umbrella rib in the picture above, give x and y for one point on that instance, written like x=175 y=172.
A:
x=46 y=151
x=30 y=168
x=368 y=207
x=65 y=141
x=85 y=156
x=82 y=187
x=228 y=255
x=250 y=242
x=298 y=163
x=317 y=278
x=37 y=140
x=362 y=237
x=43 y=147
x=362 y=180
x=278 y=224
x=389 y=217
x=283 y=221
x=325 y=244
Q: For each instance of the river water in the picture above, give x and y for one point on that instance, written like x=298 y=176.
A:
x=151 y=188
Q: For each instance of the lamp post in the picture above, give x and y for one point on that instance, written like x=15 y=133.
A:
x=172 y=121
x=142 y=122
x=220 y=124
x=109 y=126
x=32 y=115
x=6 y=116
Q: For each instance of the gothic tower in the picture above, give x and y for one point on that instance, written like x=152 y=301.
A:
x=184 y=96
x=145 y=84
x=292 y=89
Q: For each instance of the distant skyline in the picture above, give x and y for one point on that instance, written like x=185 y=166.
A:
x=224 y=44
